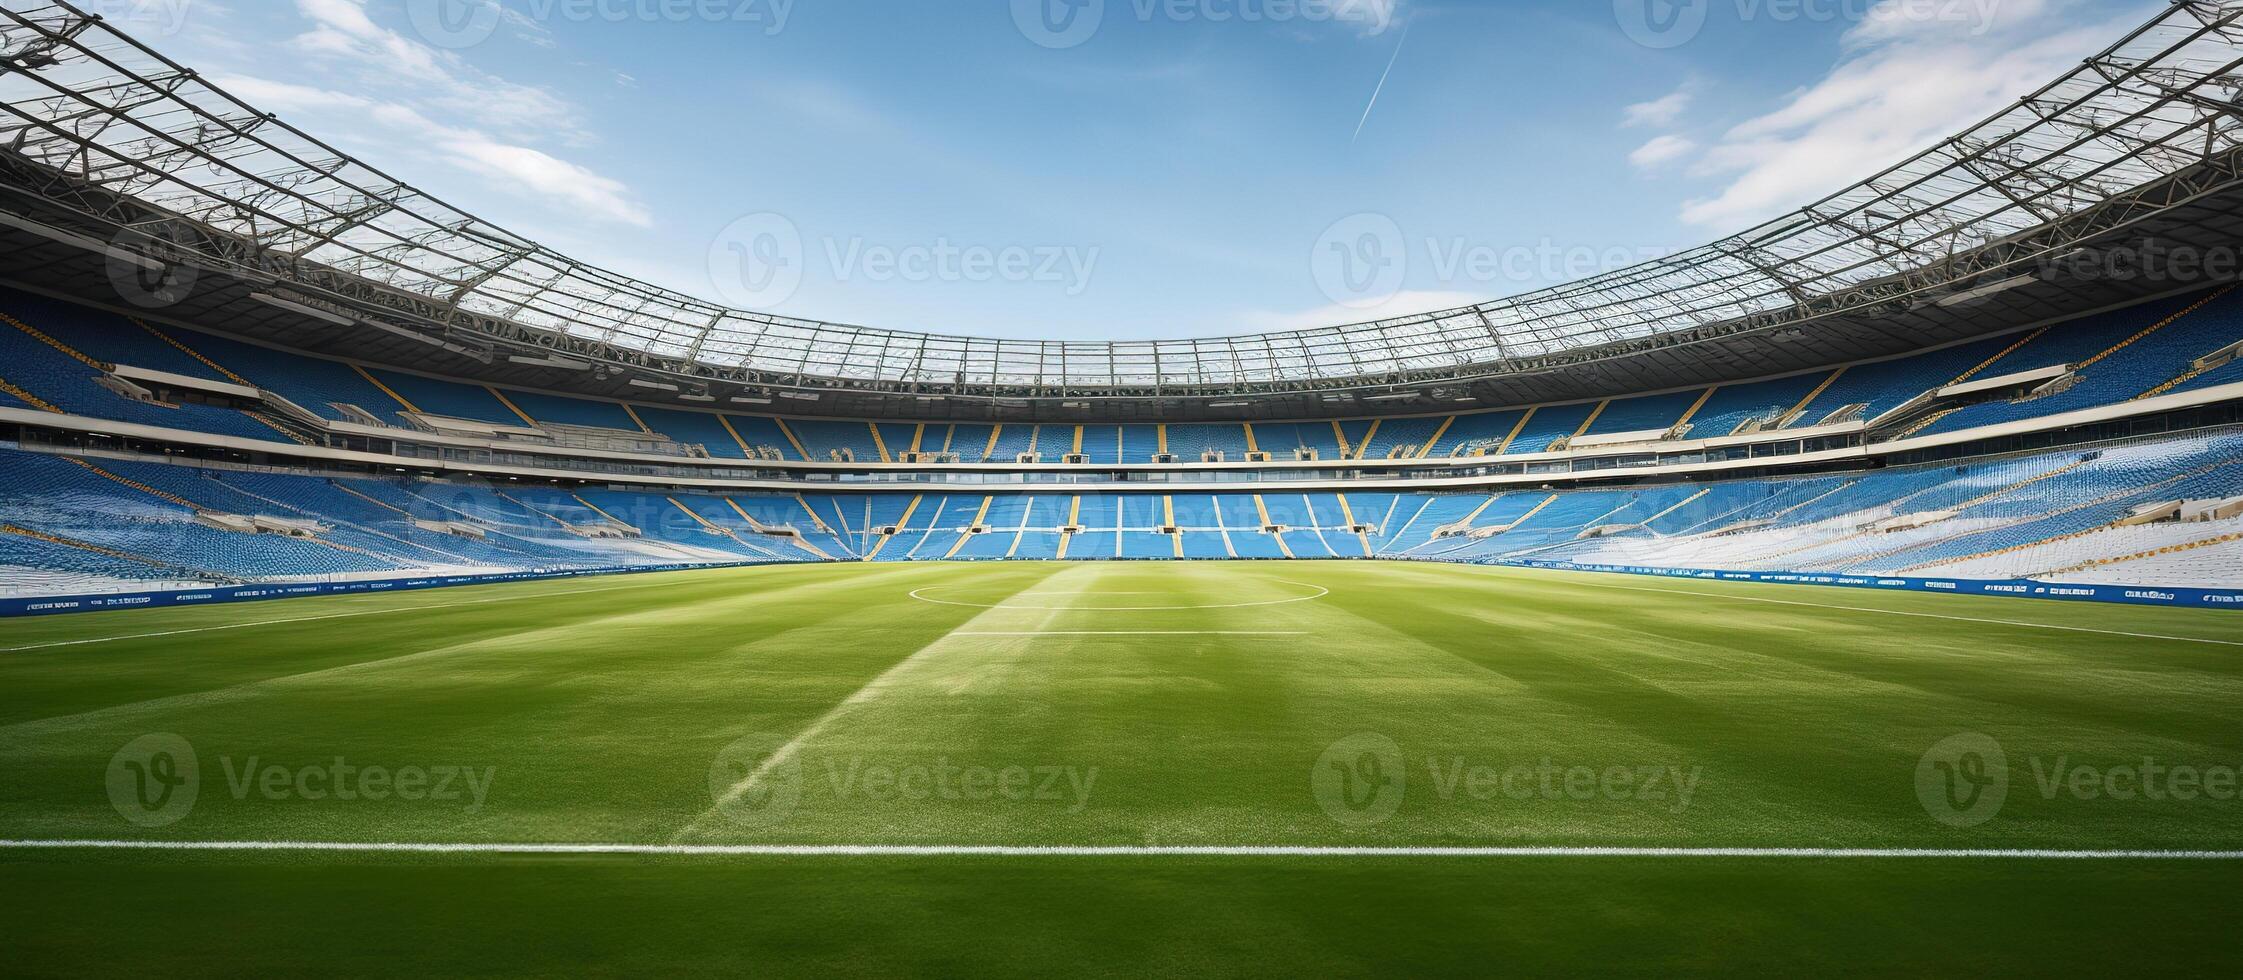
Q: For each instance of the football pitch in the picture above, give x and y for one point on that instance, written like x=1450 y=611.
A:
x=1276 y=769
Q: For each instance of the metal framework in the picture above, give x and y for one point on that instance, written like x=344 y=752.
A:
x=102 y=128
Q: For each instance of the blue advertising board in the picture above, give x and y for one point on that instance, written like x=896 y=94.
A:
x=51 y=605
x=2012 y=588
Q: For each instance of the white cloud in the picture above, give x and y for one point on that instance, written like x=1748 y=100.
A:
x=440 y=79
x=517 y=169
x=544 y=175
x=1661 y=149
x=1662 y=111
x=1914 y=81
x=1892 y=20
x=526 y=28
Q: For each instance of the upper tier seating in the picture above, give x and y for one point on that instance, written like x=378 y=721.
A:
x=2117 y=361
x=1731 y=406
x=1648 y=413
x=50 y=373
x=2117 y=365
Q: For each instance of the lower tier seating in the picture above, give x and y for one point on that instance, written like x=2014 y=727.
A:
x=2164 y=511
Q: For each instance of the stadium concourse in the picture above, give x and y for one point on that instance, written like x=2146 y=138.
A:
x=224 y=472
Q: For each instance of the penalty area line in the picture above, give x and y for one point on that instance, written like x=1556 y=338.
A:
x=1063 y=851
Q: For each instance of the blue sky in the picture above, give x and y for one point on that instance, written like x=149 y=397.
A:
x=1159 y=169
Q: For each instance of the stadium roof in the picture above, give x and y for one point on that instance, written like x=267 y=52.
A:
x=104 y=135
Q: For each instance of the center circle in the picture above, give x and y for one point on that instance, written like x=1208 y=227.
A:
x=1320 y=593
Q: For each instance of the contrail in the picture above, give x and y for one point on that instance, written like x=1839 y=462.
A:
x=1381 y=85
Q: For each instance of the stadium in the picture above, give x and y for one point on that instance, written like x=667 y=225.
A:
x=1847 y=594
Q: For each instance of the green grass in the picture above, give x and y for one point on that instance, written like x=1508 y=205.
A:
x=614 y=710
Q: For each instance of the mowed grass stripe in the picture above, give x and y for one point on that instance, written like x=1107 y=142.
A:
x=76 y=680
x=604 y=714
x=2148 y=622
x=1927 y=615
x=895 y=675
x=576 y=620
x=1183 y=851
x=1930 y=679
x=631 y=706
x=323 y=617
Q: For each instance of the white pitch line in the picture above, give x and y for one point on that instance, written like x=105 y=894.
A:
x=1902 y=612
x=871 y=689
x=1133 y=633
x=1064 y=851
x=315 y=619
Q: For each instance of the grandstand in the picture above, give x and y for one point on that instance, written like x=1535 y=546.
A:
x=1797 y=500
x=670 y=485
